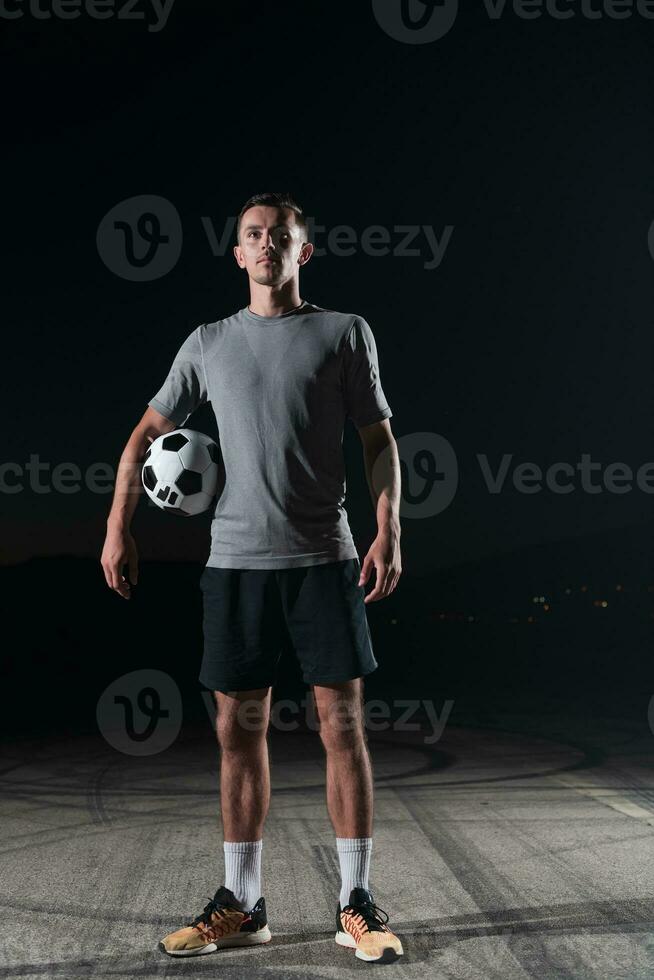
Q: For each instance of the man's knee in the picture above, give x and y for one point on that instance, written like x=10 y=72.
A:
x=241 y=723
x=341 y=726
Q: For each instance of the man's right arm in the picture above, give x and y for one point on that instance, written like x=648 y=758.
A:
x=119 y=546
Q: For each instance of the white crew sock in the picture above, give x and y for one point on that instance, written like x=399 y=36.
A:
x=243 y=871
x=354 y=858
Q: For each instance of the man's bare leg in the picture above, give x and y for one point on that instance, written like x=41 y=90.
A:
x=360 y=923
x=349 y=771
x=241 y=728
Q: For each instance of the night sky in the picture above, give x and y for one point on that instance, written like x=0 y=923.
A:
x=531 y=140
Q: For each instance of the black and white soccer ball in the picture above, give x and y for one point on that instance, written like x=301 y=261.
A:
x=180 y=472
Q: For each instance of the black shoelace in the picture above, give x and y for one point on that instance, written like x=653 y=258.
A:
x=371 y=915
x=205 y=916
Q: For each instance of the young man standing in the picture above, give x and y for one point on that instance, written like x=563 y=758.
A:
x=282 y=375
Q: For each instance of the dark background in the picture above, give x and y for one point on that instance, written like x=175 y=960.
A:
x=532 y=138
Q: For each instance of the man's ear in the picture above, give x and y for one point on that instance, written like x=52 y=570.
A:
x=238 y=255
x=305 y=253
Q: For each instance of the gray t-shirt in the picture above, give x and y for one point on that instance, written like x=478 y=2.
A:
x=281 y=388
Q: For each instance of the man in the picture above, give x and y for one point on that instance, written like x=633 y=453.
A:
x=282 y=375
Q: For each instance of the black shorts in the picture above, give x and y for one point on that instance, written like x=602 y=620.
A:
x=250 y=615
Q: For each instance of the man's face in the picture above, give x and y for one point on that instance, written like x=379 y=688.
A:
x=271 y=245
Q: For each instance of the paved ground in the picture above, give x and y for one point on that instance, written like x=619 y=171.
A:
x=499 y=853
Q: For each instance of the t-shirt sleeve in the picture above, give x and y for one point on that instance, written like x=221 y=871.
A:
x=365 y=401
x=185 y=388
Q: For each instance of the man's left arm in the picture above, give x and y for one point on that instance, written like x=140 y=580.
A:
x=382 y=465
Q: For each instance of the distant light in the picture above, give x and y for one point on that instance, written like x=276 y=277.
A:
x=394 y=622
x=546 y=607
x=530 y=619
x=542 y=598
x=535 y=599
x=604 y=604
x=471 y=619
x=618 y=588
x=568 y=591
x=584 y=588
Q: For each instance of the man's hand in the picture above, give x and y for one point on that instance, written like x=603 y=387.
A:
x=384 y=557
x=120 y=550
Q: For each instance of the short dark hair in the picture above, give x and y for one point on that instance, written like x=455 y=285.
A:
x=280 y=199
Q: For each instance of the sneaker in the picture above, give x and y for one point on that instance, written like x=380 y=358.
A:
x=220 y=925
x=360 y=926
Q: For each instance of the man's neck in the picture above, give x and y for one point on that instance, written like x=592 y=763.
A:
x=268 y=302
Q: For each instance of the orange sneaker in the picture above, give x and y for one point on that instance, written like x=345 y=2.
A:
x=361 y=927
x=222 y=924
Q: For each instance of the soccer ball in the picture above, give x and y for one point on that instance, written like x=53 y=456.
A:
x=180 y=472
